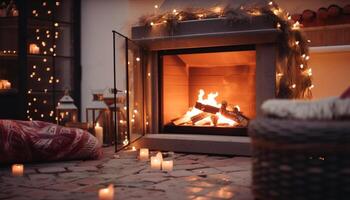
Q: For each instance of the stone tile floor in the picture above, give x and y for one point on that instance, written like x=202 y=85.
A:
x=195 y=176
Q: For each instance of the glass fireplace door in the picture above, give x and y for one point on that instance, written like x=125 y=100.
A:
x=128 y=80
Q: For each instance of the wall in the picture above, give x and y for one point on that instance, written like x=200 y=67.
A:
x=331 y=73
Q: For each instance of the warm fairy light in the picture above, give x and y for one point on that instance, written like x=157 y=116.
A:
x=47 y=68
x=200 y=16
x=44 y=60
x=270 y=3
x=297 y=42
x=289 y=17
x=42 y=115
x=51 y=49
x=34 y=99
x=57 y=80
x=44 y=3
x=279 y=74
x=48 y=35
x=301 y=66
x=45 y=52
x=47 y=31
x=135 y=111
x=29 y=103
x=294 y=86
x=138 y=59
x=37 y=30
x=39 y=79
x=34 y=12
x=34 y=66
x=309 y=72
x=174 y=11
x=156 y=6
x=149 y=74
x=56 y=24
x=43 y=43
x=296 y=26
x=307 y=57
x=57 y=3
x=49 y=12
x=152 y=24
x=278 y=25
x=45 y=90
x=37 y=38
x=126 y=141
x=311 y=86
x=308 y=41
x=303 y=56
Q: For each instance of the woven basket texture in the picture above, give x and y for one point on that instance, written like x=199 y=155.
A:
x=294 y=159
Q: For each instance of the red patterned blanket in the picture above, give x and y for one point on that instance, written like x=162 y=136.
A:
x=30 y=141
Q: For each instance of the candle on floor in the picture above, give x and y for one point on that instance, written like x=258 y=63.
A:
x=34 y=49
x=156 y=163
x=144 y=154
x=106 y=193
x=99 y=133
x=167 y=165
x=159 y=156
x=17 y=169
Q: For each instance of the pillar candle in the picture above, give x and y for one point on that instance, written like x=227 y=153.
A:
x=144 y=154
x=156 y=163
x=17 y=169
x=106 y=193
x=167 y=165
x=99 y=133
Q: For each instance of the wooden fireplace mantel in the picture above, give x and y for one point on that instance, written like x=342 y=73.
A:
x=206 y=33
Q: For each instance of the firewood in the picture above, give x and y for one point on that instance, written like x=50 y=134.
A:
x=207 y=108
x=199 y=117
x=234 y=115
x=182 y=120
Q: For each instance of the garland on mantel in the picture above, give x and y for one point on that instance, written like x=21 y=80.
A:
x=293 y=77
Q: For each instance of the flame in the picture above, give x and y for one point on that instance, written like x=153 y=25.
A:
x=210 y=100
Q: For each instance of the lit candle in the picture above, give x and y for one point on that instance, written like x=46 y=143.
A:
x=34 y=49
x=159 y=156
x=156 y=163
x=133 y=148
x=144 y=154
x=106 y=193
x=99 y=133
x=167 y=165
x=17 y=169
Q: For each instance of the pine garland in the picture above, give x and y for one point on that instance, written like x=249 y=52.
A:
x=293 y=77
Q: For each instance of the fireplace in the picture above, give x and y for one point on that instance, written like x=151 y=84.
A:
x=198 y=86
x=213 y=78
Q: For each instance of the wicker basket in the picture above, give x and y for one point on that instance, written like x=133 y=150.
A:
x=294 y=159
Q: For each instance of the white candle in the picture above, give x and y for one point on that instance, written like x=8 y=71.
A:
x=106 y=193
x=144 y=154
x=156 y=163
x=167 y=165
x=17 y=169
x=99 y=133
x=34 y=49
x=159 y=156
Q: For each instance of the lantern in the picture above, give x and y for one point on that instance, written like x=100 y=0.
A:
x=98 y=116
x=66 y=110
x=121 y=116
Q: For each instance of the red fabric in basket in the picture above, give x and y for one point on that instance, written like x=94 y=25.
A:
x=29 y=141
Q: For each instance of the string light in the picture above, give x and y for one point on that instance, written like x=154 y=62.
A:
x=156 y=6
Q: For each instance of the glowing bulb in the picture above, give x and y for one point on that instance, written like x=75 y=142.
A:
x=308 y=41
x=37 y=38
x=42 y=115
x=309 y=72
x=44 y=3
x=45 y=90
x=138 y=59
x=49 y=12
x=289 y=17
x=34 y=66
x=39 y=79
x=156 y=6
x=217 y=10
x=270 y=3
x=37 y=30
x=278 y=25
x=296 y=26
x=152 y=24
x=43 y=43
x=307 y=57
x=34 y=99
x=301 y=66
x=149 y=74
x=57 y=80
x=311 y=86
x=174 y=11
x=51 y=49
x=44 y=60
x=294 y=86
x=56 y=24
x=57 y=3
x=34 y=12
x=297 y=42
x=48 y=35
x=47 y=68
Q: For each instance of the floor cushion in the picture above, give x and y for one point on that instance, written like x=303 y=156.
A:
x=31 y=141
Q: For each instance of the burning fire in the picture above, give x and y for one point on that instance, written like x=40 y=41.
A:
x=210 y=100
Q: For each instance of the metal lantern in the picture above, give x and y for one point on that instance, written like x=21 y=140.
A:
x=118 y=114
x=66 y=111
x=98 y=116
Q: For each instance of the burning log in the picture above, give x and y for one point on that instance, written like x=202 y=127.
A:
x=181 y=120
x=234 y=115
x=199 y=117
x=207 y=108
